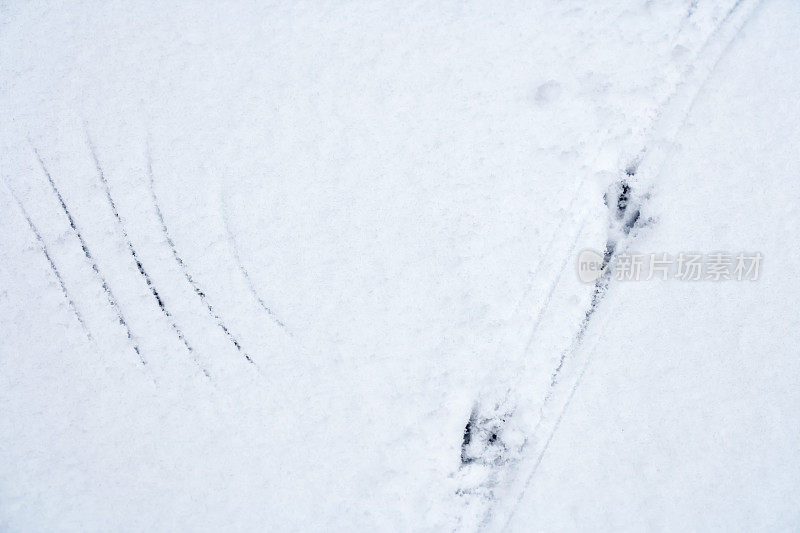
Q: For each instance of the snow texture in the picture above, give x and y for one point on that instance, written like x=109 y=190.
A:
x=311 y=266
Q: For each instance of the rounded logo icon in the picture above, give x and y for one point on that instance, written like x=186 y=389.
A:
x=590 y=266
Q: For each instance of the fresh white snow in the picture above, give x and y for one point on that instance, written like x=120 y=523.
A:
x=312 y=266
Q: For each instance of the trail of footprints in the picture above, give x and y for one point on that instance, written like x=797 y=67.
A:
x=484 y=441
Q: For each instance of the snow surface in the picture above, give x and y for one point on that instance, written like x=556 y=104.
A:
x=311 y=266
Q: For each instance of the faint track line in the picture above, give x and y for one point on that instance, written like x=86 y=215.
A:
x=250 y=285
x=550 y=437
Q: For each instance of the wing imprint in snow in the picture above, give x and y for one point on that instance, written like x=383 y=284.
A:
x=50 y=261
x=112 y=300
x=185 y=269
x=139 y=266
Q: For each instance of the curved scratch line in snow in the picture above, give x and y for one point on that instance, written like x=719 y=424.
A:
x=560 y=417
x=139 y=266
x=546 y=446
x=546 y=303
x=46 y=252
x=112 y=300
x=184 y=268
x=250 y=285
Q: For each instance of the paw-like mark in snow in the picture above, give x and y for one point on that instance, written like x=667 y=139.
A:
x=184 y=268
x=625 y=207
x=139 y=266
x=482 y=442
x=112 y=300
x=486 y=453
